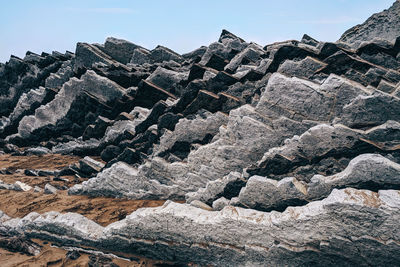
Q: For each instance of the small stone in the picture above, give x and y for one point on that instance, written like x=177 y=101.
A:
x=37 y=189
x=198 y=204
x=23 y=186
x=49 y=189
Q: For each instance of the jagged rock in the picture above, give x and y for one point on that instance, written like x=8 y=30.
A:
x=368 y=171
x=196 y=54
x=37 y=189
x=86 y=55
x=57 y=110
x=19 y=244
x=220 y=203
x=161 y=54
x=23 y=186
x=191 y=131
x=49 y=189
x=304 y=100
x=205 y=99
x=31 y=172
x=251 y=53
x=99 y=260
x=309 y=40
x=383 y=25
x=168 y=121
x=168 y=79
x=304 y=68
x=216 y=62
x=56 y=80
x=89 y=166
x=227 y=187
x=198 y=204
x=252 y=238
x=110 y=152
x=73 y=255
x=321 y=143
x=118 y=49
x=77 y=147
x=148 y=94
x=6 y=186
x=129 y=156
x=369 y=111
x=140 y=56
x=113 y=182
x=37 y=151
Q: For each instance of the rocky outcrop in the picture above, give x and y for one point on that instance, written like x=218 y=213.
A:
x=90 y=85
x=383 y=25
x=286 y=154
x=190 y=234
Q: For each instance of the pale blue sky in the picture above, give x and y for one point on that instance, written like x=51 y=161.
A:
x=182 y=25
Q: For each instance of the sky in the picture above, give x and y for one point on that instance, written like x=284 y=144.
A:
x=182 y=25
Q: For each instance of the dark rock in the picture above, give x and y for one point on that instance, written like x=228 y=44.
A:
x=217 y=62
x=206 y=100
x=130 y=156
x=89 y=166
x=120 y=50
x=49 y=189
x=73 y=255
x=110 y=152
x=99 y=260
x=168 y=121
x=383 y=25
x=148 y=94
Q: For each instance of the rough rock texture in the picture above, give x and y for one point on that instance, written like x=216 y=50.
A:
x=308 y=235
x=286 y=154
x=383 y=25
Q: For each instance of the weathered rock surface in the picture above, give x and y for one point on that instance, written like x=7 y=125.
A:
x=252 y=238
x=287 y=154
x=383 y=25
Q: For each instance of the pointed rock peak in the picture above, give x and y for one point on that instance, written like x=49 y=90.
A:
x=117 y=41
x=228 y=35
x=160 y=47
x=384 y=25
x=307 y=39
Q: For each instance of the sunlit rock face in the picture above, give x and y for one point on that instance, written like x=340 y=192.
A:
x=286 y=154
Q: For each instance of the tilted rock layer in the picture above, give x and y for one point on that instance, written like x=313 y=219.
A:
x=286 y=154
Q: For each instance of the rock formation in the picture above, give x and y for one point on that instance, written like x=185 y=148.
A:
x=286 y=154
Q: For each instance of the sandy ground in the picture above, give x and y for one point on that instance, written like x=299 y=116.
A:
x=18 y=204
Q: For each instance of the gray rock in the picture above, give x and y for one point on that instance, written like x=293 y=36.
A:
x=297 y=236
x=303 y=68
x=49 y=189
x=220 y=203
x=23 y=186
x=89 y=166
x=87 y=55
x=140 y=56
x=369 y=111
x=161 y=54
x=383 y=25
x=228 y=186
x=251 y=53
x=167 y=79
x=103 y=89
x=76 y=146
x=200 y=205
x=365 y=171
x=37 y=189
x=37 y=151
x=56 y=80
x=120 y=50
